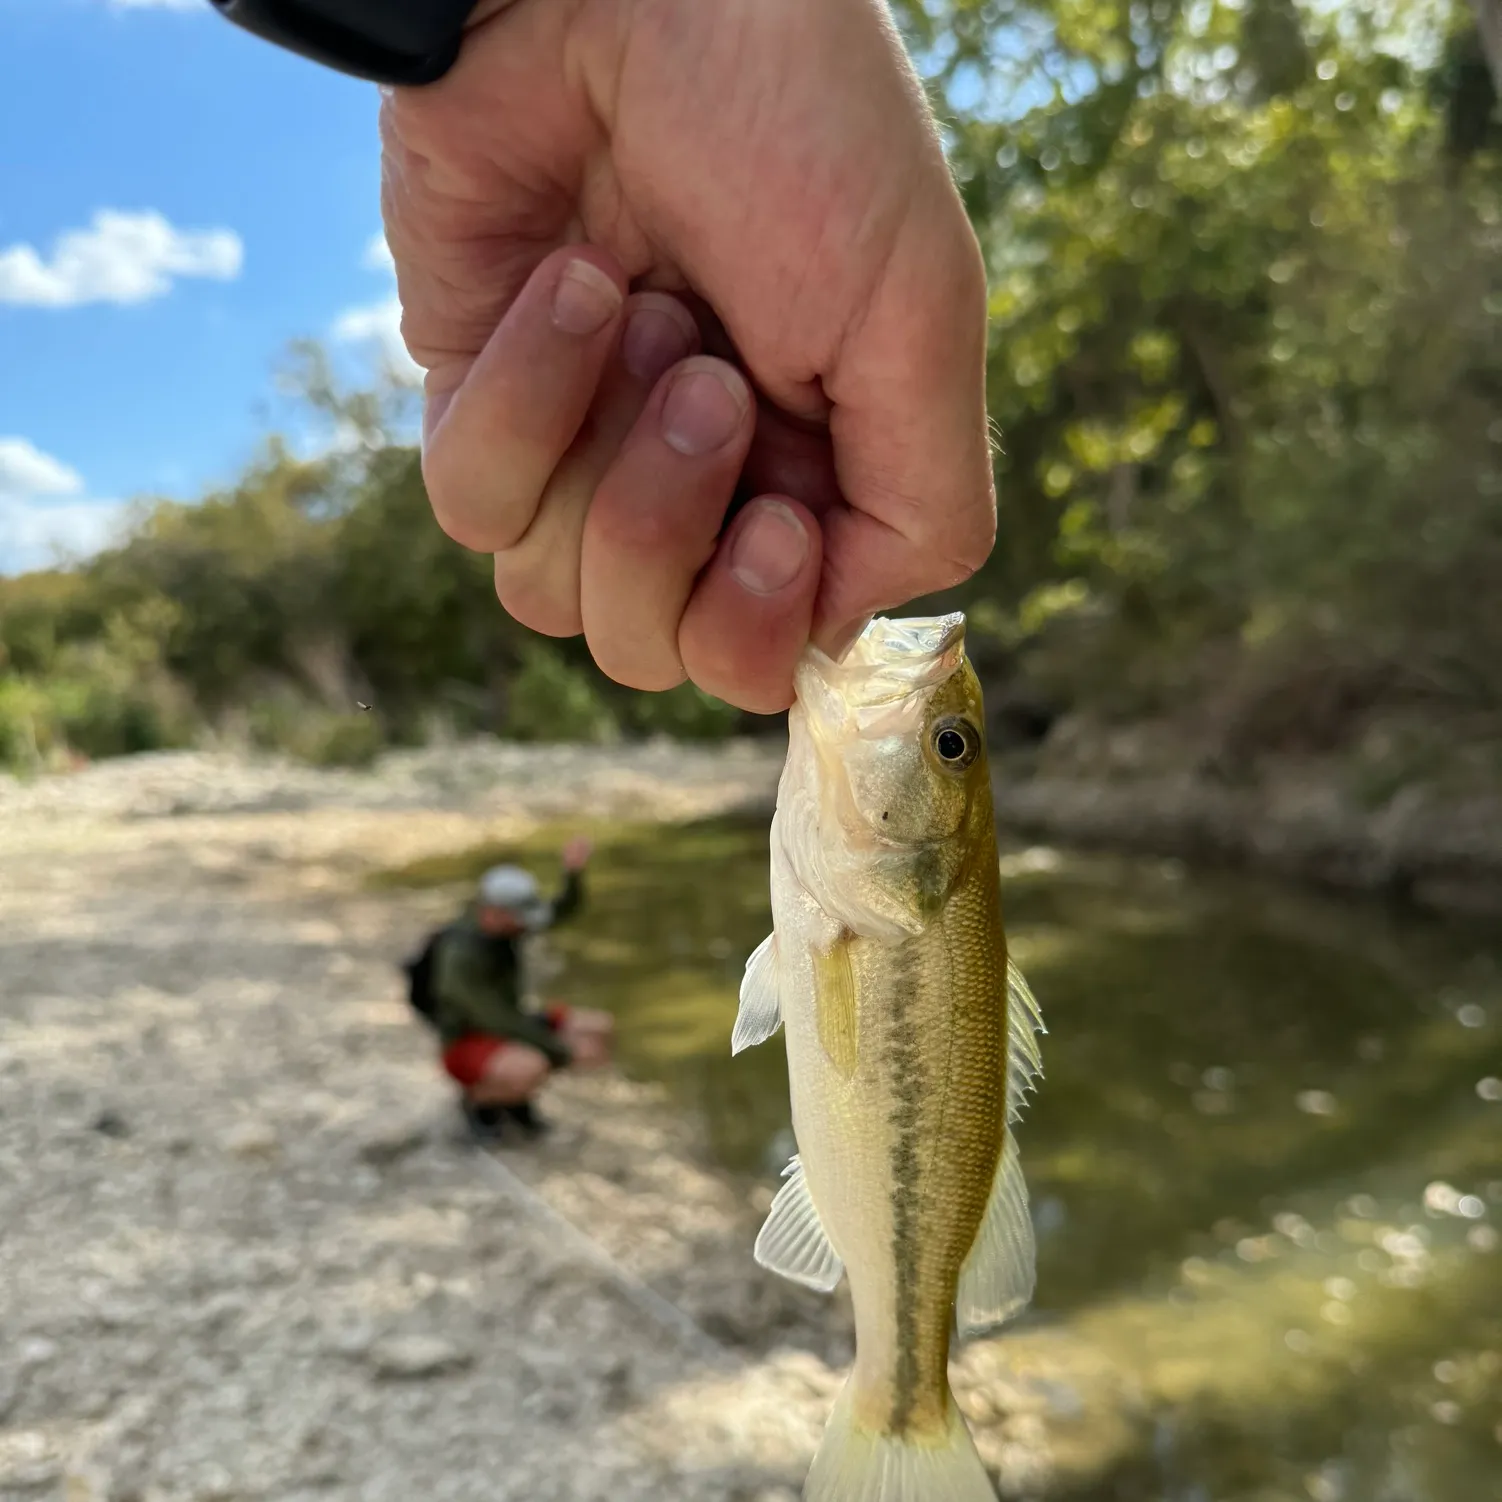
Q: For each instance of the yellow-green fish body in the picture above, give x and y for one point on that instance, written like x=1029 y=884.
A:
x=910 y=1040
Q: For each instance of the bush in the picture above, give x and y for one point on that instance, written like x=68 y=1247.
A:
x=287 y=722
x=94 y=704
x=108 y=702
x=685 y=713
x=28 y=726
x=553 y=700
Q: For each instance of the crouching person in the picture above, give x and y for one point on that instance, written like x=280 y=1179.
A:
x=499 y=1053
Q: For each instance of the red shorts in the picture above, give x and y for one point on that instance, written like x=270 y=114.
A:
x=466 y=1059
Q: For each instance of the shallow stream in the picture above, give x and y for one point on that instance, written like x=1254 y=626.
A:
x=1265 y=1160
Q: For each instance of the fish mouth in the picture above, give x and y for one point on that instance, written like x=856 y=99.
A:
x=889 y=662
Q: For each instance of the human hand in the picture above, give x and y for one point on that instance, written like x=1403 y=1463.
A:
x=588 y=1050
x=583 y=1020
x=576 y=853
x=608 y=217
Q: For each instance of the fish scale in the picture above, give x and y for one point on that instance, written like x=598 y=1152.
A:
x=910 y=1040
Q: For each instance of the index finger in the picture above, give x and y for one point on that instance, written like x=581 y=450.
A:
x=474 y=181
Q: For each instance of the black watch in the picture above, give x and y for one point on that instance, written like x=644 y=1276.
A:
x=385 y=41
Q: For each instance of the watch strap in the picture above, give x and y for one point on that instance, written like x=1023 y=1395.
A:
x=385 y=41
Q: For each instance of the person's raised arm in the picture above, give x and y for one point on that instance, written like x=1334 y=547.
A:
x=571 y=894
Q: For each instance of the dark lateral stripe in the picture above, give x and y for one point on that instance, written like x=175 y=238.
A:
x=906 y=1084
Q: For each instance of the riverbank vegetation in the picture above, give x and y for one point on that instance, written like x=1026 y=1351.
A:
x=1246 y=372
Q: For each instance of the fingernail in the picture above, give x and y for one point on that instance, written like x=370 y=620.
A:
x=770 y=548
x=655 y=340
x=842 y=641
x=585 y=299
x=704 y=408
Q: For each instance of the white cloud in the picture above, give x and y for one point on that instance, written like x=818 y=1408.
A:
x=378 y=325
x=378 y=255
x=44 y=516
x=379 y=320
x=26 y=471
x=120 y=258
x=37 y=535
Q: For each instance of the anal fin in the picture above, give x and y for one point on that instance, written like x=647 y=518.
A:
x=793 y=1242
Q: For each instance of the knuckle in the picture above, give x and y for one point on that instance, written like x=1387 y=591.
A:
x=481 y=522
x=479 y=534
x=634 y=639
x=944 y=558
x=974 y=544
x=654 y=676
x=752 y=698
x=746 y=672
x=959 y=254
x=536 y=602
x=459 y=527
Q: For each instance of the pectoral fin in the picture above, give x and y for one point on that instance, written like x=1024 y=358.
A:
x=834 y=1000
x=998 y=1275
x=793 y=1242
x=761 y=1012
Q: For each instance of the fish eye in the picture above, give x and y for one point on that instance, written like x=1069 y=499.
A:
x=956 y=743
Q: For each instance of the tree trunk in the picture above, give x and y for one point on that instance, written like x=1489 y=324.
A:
x=1489 y=25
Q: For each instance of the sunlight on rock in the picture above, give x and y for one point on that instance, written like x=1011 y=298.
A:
x=1316 y=1102
x=771 y=1417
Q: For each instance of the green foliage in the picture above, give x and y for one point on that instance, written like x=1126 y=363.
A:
x=1247 y=337
x=40 y=613
x=1246 y=364
x=286 y=722
x=685 y=713
x=102 y=708
x=28 y=727
x=551 y=699
x=94 y=703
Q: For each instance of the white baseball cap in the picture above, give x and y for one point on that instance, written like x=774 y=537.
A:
x=515 y=890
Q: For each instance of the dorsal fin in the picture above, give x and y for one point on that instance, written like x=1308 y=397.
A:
x=1024 y=1023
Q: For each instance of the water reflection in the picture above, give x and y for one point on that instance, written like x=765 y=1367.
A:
x=1266 y=1160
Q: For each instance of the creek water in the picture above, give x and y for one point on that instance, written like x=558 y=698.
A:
x=1265 y=1159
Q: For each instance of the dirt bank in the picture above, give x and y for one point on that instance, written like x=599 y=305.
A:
x=242 y=1252
x=1298 y=820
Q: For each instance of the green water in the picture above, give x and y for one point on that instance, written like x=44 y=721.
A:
x=1265 y=1161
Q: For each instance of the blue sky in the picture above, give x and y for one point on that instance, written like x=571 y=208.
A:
x=177 y=201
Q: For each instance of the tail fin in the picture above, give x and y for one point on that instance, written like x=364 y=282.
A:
x=854 y=1465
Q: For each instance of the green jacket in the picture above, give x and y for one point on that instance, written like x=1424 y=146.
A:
x=477 y=984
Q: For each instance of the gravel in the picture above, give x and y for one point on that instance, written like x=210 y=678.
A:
x=244 y=1252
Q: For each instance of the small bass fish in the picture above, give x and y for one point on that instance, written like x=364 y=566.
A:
x=911 y=1040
